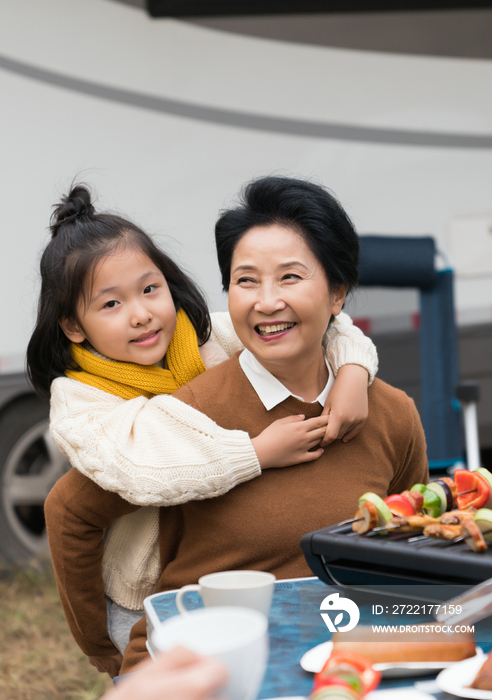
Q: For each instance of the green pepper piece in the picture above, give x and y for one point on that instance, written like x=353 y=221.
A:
x=353 y=680
x=432 y=504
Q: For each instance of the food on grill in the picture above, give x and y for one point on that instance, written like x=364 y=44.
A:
x=413 y=523
x=487 y=476
x=455 y=517
x=384 y=513
x=473 y=489
x=473 y=536
x=444 y=532
x=452 y=486
x=483 y=679
x=432 y=644
x=483 y=519
x=366 y=518
x=416 y=499
x=449 y=526
x=429 y=509
x=399 y=505
x=345 y=676
x=442 y=489
x=432 y=502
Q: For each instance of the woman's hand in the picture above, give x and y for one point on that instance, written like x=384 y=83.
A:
x=287 y=441
x=347 y=405
x=178 y=675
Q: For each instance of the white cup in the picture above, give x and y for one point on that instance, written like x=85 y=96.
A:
x=236 y=637
x=246 y=589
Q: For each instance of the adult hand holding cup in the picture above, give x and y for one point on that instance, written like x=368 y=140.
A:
x=177 y=675
x=246 y=589
x=236 y=637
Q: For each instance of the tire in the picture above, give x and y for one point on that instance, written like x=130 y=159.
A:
x=30 y=463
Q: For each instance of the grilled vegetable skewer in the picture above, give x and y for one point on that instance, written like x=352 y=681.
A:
x=411 y=523
x=445 y=532
x=436 y=500
x=474 y=488
x=473 y=536
x=367 y=518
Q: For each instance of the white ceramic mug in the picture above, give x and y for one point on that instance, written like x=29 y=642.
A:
x=236 y=637
x=246 y=589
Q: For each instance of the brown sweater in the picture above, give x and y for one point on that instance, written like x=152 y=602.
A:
x=259 y=524
x=77 y=512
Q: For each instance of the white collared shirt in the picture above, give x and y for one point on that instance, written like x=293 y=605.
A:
x=270 y=391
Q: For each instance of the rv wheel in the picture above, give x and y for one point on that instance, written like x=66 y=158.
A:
x=30 y=463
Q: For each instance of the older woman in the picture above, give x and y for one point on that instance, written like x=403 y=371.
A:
x=288 y=257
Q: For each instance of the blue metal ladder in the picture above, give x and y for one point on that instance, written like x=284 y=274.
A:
x=398 y=261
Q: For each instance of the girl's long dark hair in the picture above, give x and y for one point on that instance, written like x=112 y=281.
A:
x=80 y=238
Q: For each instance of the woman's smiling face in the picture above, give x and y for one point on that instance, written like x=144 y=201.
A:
x=279 y=298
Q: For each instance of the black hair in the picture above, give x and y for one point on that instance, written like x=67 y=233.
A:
x=80 y=238
x=302 y=206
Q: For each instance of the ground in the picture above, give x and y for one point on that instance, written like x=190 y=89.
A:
x=39 y=660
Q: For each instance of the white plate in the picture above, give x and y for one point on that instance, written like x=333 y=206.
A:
x=390 y=694
x=457 y=679
x=399 y=694
x=314 y=660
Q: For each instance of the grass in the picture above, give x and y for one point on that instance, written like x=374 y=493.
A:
x=39 y=660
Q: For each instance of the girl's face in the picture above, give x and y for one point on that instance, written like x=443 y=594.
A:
x=131 y=315
x=279 y=298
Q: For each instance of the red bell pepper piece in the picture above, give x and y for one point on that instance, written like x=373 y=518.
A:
x=476 y=484
x=355 y=672
x=399 y=505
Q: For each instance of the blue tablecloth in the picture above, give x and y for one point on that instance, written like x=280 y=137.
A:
x=295 y=627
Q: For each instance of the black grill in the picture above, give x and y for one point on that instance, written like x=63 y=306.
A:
x=338 y=555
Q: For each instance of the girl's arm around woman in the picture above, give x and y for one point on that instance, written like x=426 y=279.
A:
x=155 y=451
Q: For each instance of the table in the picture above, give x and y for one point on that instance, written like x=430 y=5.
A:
x=295 y=627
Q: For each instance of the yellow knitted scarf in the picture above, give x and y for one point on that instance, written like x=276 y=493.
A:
x=129 y=380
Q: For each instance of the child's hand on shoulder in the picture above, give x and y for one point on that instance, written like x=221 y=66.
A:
x=289 y=441
x=212 y=354
x=347 y=406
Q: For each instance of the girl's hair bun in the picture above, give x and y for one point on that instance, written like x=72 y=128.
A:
x=73 y=206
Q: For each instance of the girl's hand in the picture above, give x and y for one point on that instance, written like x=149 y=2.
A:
x=212 y=354
x=287 y=441
x=347 y=404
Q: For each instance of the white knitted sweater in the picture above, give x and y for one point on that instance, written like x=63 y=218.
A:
x=159 y=451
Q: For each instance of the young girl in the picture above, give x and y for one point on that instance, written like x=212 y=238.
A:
x=118 y=330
